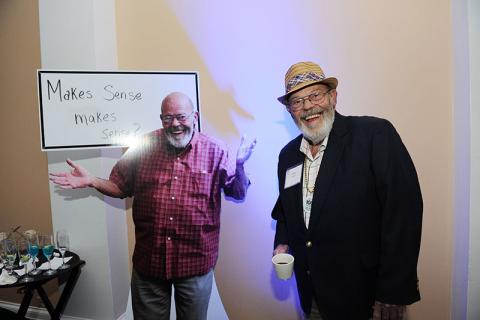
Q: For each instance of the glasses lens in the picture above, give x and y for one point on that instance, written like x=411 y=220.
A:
x=314 y=97
x=296 y=104
x=317 y=96
x=166 y=118
x=182 y=117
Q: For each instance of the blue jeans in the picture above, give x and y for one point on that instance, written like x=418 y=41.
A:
x=151 y=297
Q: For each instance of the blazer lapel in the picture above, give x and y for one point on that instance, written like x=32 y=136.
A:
x=330 y=162
x=294 y=194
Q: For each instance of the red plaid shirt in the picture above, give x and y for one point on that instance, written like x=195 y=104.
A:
x=176 y=206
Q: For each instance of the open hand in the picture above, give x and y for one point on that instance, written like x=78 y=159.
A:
x=78 y=177
x=281 y=248
x=245 y=150
x=385 y=311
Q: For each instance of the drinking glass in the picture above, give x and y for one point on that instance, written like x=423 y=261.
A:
x=10 y=249
x=33 y=250
x=46 y=242
x=23 y=251
x=63 y=245
x=3 y=254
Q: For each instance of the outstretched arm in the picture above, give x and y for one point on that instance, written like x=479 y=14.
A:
x=79 y=177
x=237 y=185
x=245 y=150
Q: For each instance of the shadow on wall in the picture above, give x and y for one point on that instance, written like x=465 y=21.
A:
x=283 y=290
x=72 y=195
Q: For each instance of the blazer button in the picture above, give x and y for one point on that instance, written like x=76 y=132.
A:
x=309 y=244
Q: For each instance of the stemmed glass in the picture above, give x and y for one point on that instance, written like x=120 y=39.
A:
x=10 y=249
x=23 y=250
x=33 y=250
x=46 y=242
x=63 y=245
x=3 y=254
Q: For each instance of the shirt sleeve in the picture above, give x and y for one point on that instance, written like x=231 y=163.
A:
x=123 y=173
x=281 y=236
x=233 y=179
x=399 y=193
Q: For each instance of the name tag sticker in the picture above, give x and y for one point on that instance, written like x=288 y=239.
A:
x=293 y=176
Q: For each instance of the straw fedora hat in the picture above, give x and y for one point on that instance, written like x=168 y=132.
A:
x=304 y=74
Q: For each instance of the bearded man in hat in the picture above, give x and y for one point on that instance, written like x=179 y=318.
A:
x=349 y=207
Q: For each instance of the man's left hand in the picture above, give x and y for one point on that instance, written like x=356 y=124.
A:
x=245 y=150
x=385 y=311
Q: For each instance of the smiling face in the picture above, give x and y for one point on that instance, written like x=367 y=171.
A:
x=313 y=118
x=174 y=107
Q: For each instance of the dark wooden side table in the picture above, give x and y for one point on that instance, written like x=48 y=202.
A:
x=69 y=275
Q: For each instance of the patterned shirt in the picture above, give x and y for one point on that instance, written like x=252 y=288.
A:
x=177 y=199
x=311 y=167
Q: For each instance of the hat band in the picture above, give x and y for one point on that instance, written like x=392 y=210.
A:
x=303 y=77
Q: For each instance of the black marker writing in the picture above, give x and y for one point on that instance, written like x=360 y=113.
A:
x=112 y=94
x=70 y=94
x=91 y=119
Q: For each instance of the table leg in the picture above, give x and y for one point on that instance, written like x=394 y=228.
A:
x=27 y=298
x=66 y=293
x=67 y=290
x=47 y=303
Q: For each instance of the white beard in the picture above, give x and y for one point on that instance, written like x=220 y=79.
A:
x=180 y=143
x=316 y=135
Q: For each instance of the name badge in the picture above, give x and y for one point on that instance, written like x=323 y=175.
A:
x=293 y=176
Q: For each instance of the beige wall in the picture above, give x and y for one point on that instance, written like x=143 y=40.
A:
x=393 y=60
x=24 y=188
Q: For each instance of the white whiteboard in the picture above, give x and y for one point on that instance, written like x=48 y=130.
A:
x=98 y=109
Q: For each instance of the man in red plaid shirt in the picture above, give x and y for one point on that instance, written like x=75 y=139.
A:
x=175 y=175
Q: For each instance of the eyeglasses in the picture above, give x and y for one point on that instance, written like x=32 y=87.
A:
x=314 y=97
x=182 y=117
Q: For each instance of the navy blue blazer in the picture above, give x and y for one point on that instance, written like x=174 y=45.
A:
x=363 y=240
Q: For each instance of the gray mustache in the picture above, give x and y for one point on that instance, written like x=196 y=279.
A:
x=171 y=129
x=313 y=111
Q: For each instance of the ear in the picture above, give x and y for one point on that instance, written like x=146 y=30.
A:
x=195 y=119
x=334 y=97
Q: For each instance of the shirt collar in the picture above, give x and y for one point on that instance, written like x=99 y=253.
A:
x=305 y=147
x=189 y=146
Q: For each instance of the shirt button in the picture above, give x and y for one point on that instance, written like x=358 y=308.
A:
x=308 y=272
x=171 y=218
x=173 y=198
x=309 y=244
x=168 y=238
x=175 y=177
x=178 y=158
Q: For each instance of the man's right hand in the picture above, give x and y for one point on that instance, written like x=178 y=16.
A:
x=281 y=248
x=78 y=177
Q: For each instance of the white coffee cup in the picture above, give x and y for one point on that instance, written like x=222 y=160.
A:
x=283 y=264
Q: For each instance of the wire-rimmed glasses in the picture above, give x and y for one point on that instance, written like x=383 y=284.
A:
x=182 y=117
x=314 y=97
